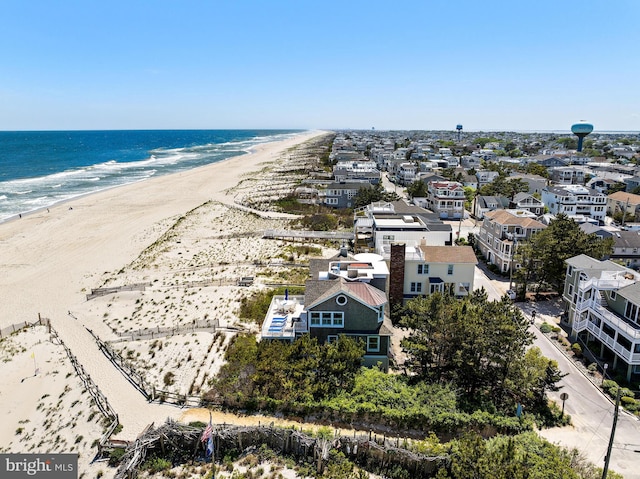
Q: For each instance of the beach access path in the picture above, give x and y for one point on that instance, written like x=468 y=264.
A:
x=51 y=259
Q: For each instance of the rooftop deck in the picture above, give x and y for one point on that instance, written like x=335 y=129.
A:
x=285 y=318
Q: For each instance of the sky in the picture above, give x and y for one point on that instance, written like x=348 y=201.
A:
x=424 y=65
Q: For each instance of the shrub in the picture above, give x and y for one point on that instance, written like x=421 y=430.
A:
x=168 y=379
x=577 y=349
x=592 y=368
x=156 y=464
x=115 y=456
x=545 y=328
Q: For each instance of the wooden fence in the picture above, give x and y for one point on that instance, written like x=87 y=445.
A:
x=118 y=361
x=138 y=381
x=9 y=330
x=208 y=325
x=100 y=399
x=176 y=440
x=104 y=291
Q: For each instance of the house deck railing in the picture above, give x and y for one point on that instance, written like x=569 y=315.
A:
x=612 y=319
x=595 y=330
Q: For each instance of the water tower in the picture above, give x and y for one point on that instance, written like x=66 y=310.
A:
x=581 y=129
x=459 y=128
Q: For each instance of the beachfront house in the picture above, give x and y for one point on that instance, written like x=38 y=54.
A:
x=340 y=194
x=602 y=300
x=344 y=296
x=379 y=224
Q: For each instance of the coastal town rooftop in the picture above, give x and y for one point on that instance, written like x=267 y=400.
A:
x=286 y=318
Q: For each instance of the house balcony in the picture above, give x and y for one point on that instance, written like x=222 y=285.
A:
x=626 y=355
x=592 y=305
x=285 y=319
x=609 y=281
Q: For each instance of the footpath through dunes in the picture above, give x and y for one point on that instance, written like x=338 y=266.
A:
x=51 y=260
x=133 y=410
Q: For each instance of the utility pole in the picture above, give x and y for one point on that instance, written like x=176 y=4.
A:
x=613 y=432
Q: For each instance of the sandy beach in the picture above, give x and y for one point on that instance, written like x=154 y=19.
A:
x=186 y=237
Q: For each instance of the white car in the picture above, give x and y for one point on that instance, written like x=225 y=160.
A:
x=512 y=294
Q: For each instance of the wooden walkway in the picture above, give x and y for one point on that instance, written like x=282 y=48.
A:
x=295 y=234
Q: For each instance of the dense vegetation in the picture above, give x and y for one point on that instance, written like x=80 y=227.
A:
x=481 y=348
x=469 y=368
x=543 y=257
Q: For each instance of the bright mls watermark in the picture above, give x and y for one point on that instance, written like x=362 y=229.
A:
x=45 y=466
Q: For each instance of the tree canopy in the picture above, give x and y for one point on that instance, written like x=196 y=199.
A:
x=478 y=346
x=542 y=257
x=370 y=194
x=504 y=186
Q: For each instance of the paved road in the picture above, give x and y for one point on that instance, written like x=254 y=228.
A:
x=494 y=285
x=591 y=411
x=592 y=418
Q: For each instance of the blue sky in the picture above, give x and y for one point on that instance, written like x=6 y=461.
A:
x=489 y=65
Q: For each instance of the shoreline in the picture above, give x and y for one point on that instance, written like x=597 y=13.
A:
x=50 y=258
x=184 y=235
x=249 y=151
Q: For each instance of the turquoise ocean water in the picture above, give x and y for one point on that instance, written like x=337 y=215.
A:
x=41 y=168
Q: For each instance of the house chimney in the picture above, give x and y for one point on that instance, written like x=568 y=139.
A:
x=396 y=275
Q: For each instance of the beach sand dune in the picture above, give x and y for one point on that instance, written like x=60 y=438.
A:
x=170 y=232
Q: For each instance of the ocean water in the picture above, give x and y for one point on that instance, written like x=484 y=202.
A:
x=41 y=168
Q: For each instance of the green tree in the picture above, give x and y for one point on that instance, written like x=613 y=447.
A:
x=503 y=186
x=370 y=194
x=472 y=343
x=537 y=169
x=568 y=142
x=543 y=258
x=417 y=189
x=525 y=456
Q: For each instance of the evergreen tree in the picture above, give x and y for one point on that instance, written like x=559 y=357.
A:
x=543 y=257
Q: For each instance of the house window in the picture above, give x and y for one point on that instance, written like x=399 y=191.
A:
x=613 y=295
x=570 y=271
x=327 y=319
x=416 y=287
x=423 y=269
x=332 y=338
x=373 y=344
x=341 y=300
x=631 y=311
x=450 y=269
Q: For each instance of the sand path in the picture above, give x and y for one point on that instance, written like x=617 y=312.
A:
x=49 y=261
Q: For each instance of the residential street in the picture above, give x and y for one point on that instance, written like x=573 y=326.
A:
x=592 y=416
x=591 y=411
